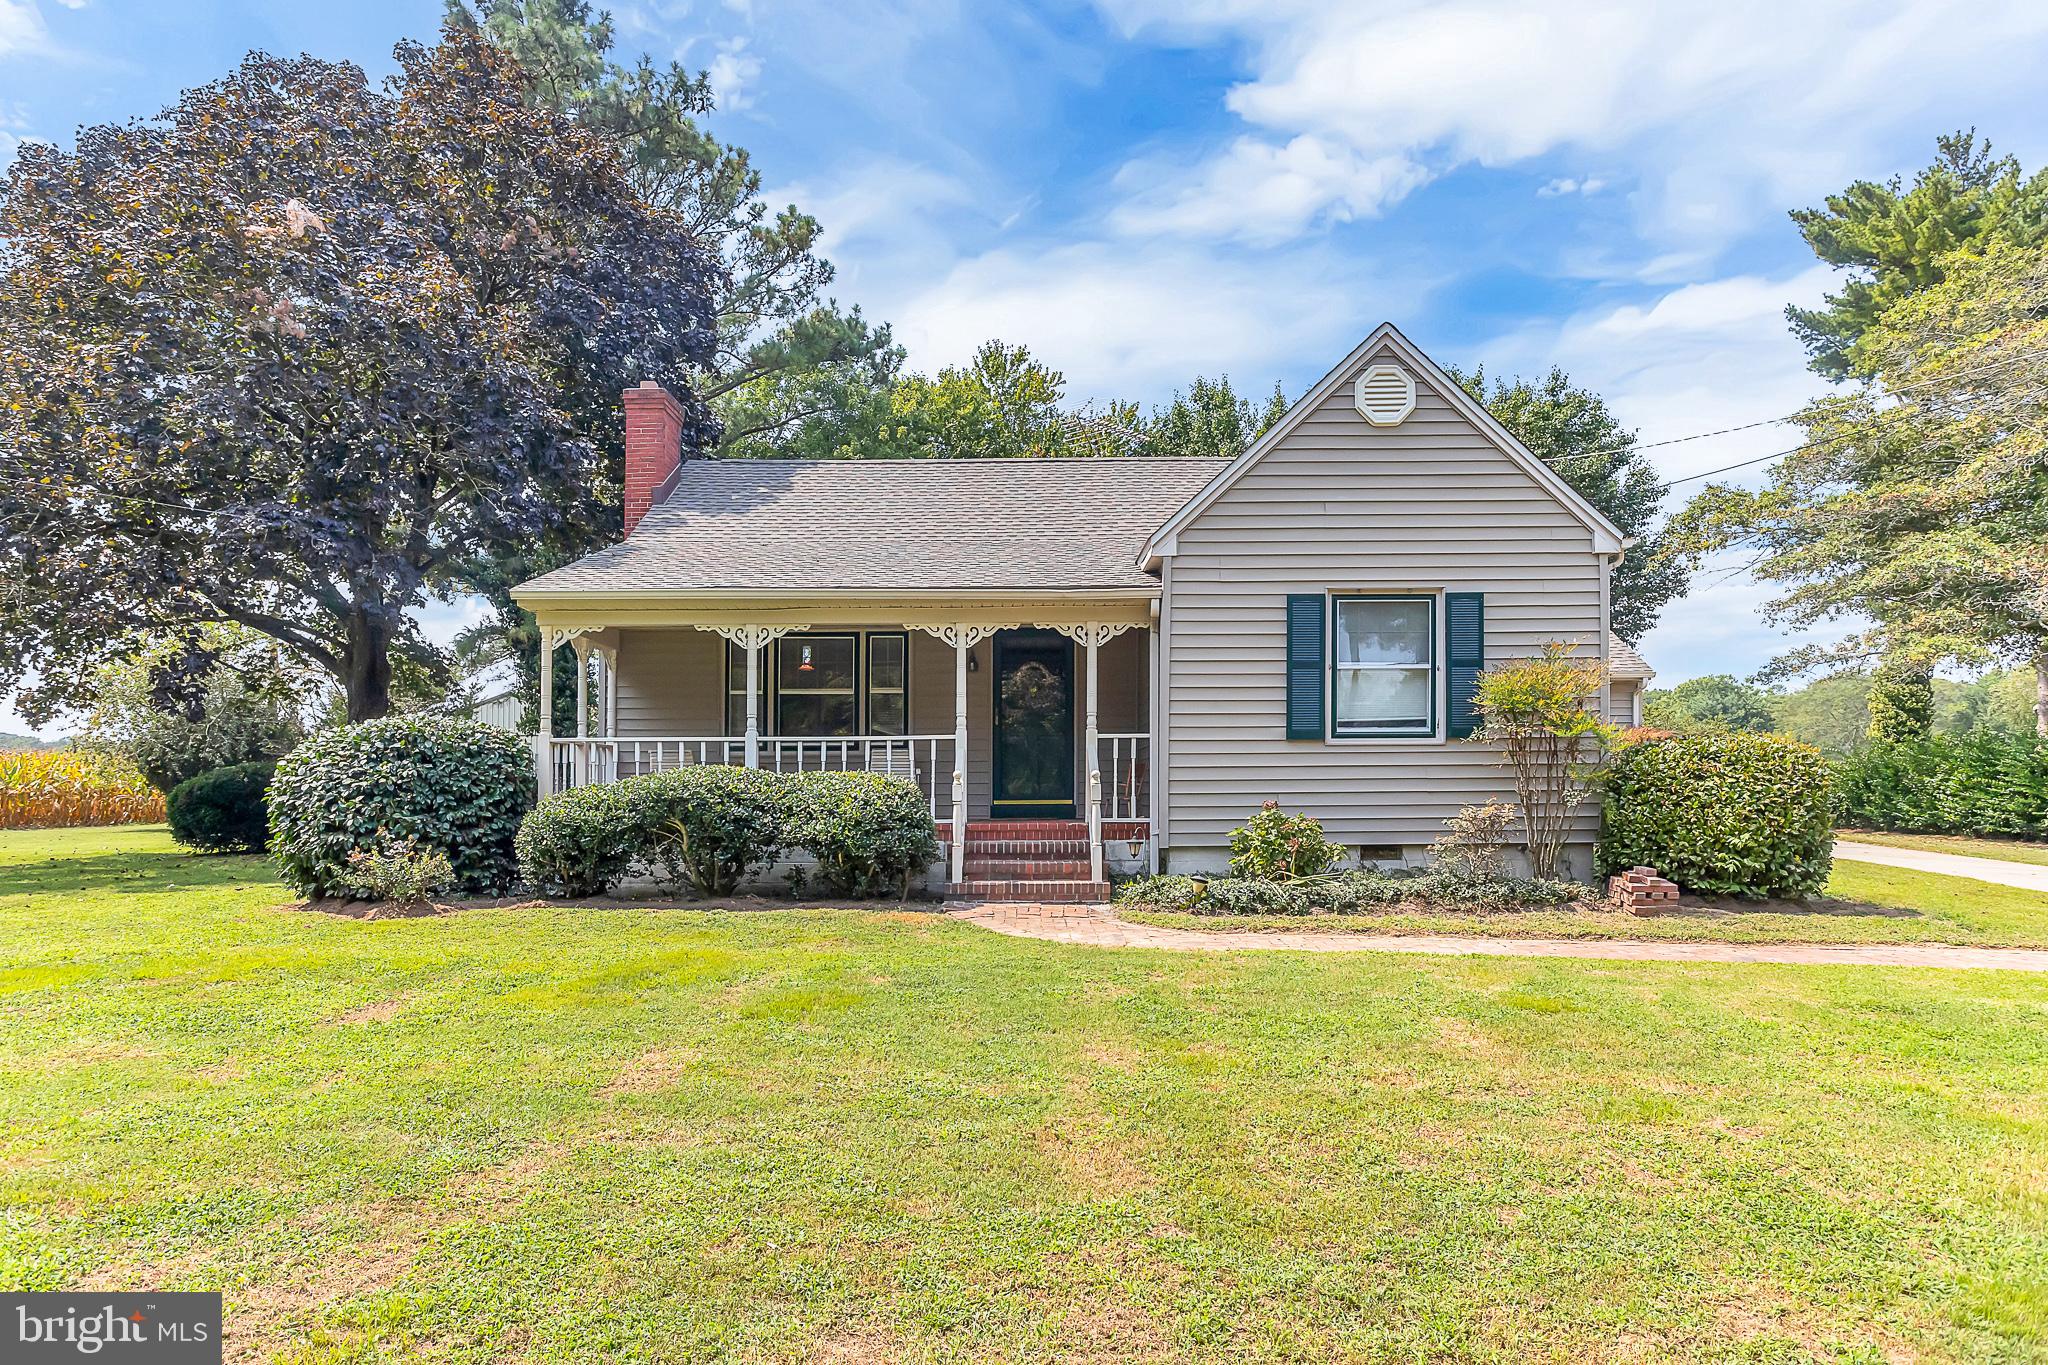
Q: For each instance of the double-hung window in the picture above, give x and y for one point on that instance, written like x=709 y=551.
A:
x=888 y=684
x=1383 y=667
x=817 y=685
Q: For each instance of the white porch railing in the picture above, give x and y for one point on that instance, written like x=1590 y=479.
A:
x=1125 y=762
x=926 y=760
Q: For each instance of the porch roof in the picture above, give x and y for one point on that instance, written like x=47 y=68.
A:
x=882 y=525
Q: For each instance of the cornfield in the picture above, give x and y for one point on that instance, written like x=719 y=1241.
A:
x=48 y=788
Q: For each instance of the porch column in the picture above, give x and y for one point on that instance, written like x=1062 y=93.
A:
x=544 y=735
x=752 y=639
x=1154 y=748
x=963 y=638
x=608 y=691
x=1091 y=636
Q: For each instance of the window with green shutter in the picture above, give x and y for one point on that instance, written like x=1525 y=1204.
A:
x=1305 y=665
x=1464 y=656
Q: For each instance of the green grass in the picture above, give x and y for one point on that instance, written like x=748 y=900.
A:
x=1871 y=904
x=649 y=1134
x=2006 y=850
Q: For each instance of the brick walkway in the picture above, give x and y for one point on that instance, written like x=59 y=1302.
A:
x=1097 y=925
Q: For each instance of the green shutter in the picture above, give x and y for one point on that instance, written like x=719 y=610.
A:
x=1464 y=657
x=1305 y=665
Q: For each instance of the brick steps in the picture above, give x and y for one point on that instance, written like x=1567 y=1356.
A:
x=1025 y=860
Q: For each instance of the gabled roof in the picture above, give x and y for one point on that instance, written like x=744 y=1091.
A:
x=893 y=526
x=1624 y=662
x=1607 y=537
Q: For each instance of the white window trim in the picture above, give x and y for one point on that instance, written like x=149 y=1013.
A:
x=772 y=690
x=1433 y=737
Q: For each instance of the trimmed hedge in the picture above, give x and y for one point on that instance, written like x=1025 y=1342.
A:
x=222 y=811
x=710 y=828
x=869 y=833
x=457 y=786
x=580 y=843
x=1722 y=814
x=1990 y=782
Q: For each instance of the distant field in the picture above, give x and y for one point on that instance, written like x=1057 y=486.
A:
x=63 y=788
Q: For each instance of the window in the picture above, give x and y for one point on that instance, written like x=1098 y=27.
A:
x=736 y=692
x=888 y=684
x=1383 y=667
x=816 y=692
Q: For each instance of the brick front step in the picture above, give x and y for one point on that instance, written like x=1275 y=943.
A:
x=1054 y=893
x=981 y=867
x=1028 y=848
x=1022 y=829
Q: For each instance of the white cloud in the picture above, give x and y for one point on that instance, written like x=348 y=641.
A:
x=1565 y=184
x=1717 y=111
x=22 y=31
x=1129 y=322
x=732 y=71
x=1262 y=191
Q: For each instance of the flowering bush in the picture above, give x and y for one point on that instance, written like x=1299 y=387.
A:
x=1539 y=713
x=1274 y=846
x=396 y=870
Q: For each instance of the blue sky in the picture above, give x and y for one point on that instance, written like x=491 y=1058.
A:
x=1147 y=190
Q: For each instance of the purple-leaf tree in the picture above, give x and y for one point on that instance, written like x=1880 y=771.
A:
x=301 y=353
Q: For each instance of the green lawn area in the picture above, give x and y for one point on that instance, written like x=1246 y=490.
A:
x=2008 y=850
x=677 y=1135
x=1910 y=907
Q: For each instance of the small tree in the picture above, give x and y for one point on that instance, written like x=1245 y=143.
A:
x=1539 y=711
x=1901 y=700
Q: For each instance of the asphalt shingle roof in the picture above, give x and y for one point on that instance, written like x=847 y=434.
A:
x=1623 y=662
x=781 y=525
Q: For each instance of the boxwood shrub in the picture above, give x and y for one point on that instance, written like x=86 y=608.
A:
x=1722 y=814
x=582 y=842
x=869 y=833
x=708 y=827
x=458 y=786
x=222 y=811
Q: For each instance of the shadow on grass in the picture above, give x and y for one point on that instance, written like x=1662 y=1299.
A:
x=136 y=873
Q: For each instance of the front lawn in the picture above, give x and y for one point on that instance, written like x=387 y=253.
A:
x=2006 y=850
x=1868 y=904
x=656 y=1134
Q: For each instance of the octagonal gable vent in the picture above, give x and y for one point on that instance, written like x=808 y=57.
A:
x=1385 y=395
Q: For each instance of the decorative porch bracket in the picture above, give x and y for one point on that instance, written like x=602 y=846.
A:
x=1091 y=636
x=753 y=639
x=963 y=637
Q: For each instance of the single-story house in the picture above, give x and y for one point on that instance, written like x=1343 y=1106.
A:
x=1087 y=663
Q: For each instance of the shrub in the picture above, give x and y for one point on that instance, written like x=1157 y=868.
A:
x=711 y=827
x=222 y=811
x=1724 y=814
x=1988 y=782
x=1539 y=712
x=1356 y=892
x=396 y=870
x=456 y=786
x=61 y=788
x=581 y=842
x=868 y=832
x=1275 y=846
x=1168 y=892
x=1473 y=846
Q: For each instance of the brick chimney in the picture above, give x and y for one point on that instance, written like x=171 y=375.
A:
x=654 y=446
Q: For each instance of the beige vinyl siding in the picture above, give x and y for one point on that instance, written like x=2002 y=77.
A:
x=672 y=683
x=1621 y=700
x=1339 y=506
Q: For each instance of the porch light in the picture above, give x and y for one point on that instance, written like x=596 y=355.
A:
x=1137 y=844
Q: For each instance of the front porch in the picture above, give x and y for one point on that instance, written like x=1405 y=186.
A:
x=1002 y=716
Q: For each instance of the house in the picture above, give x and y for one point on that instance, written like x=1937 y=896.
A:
x=1090 y=663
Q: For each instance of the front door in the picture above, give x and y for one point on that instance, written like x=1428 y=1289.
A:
x=1034 y=752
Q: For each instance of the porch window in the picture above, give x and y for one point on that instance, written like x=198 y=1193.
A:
x=817 y=690
x=888 y=685
x=1383 y=667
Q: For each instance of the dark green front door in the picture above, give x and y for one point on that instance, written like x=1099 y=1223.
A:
x=1034 y=682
